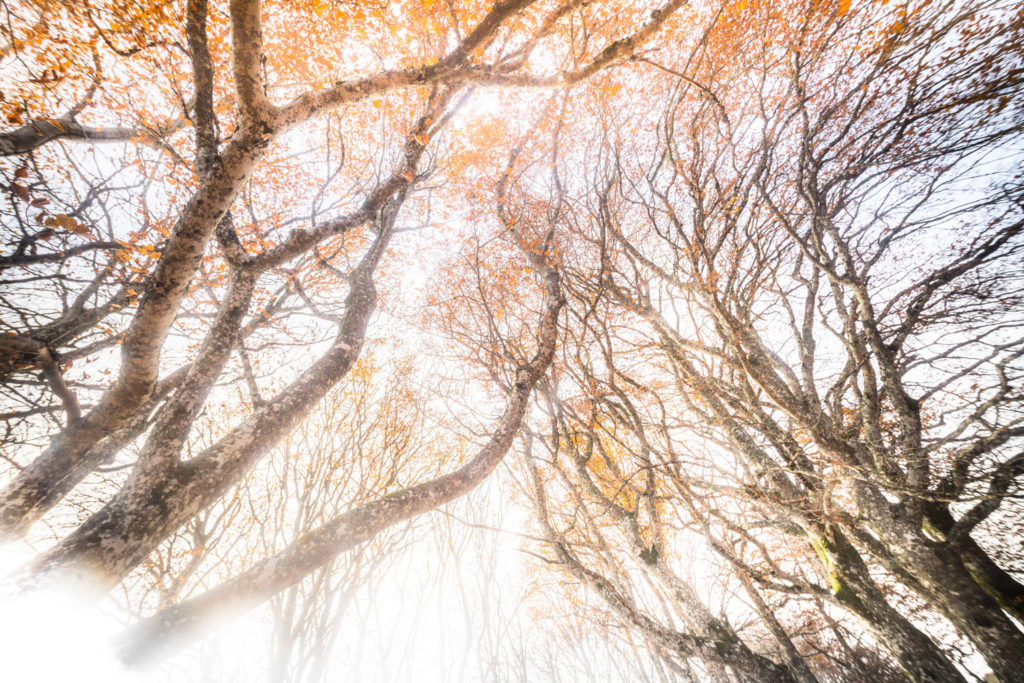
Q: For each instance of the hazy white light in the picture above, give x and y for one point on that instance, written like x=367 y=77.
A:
x=56 y=635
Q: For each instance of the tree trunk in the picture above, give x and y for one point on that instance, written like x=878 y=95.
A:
x=852 y=586
x=163 y=493
x=952 y=590
x=39 y=487
x=999 y=584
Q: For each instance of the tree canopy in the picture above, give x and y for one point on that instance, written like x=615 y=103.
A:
x=720 y=300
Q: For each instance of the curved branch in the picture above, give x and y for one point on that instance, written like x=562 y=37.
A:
x=178 y=625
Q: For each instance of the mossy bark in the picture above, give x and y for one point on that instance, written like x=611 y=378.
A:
x=851 y=584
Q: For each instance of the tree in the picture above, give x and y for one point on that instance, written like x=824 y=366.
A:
x=235 y=268
x=754 y=260
x=221 y=170
x=756 y=255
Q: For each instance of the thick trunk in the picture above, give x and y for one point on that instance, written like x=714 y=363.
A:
x=46 y=480
x=55 y=478
x=163 y=493
x=120 y=535
x=999 y=584
x=935 y=570
x=181 y=623
x=163 y=496
x=43 y=483
x=952 y=590
x=917 y=655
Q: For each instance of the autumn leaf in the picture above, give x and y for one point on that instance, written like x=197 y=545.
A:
x=21 y=191
x=62 y=220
